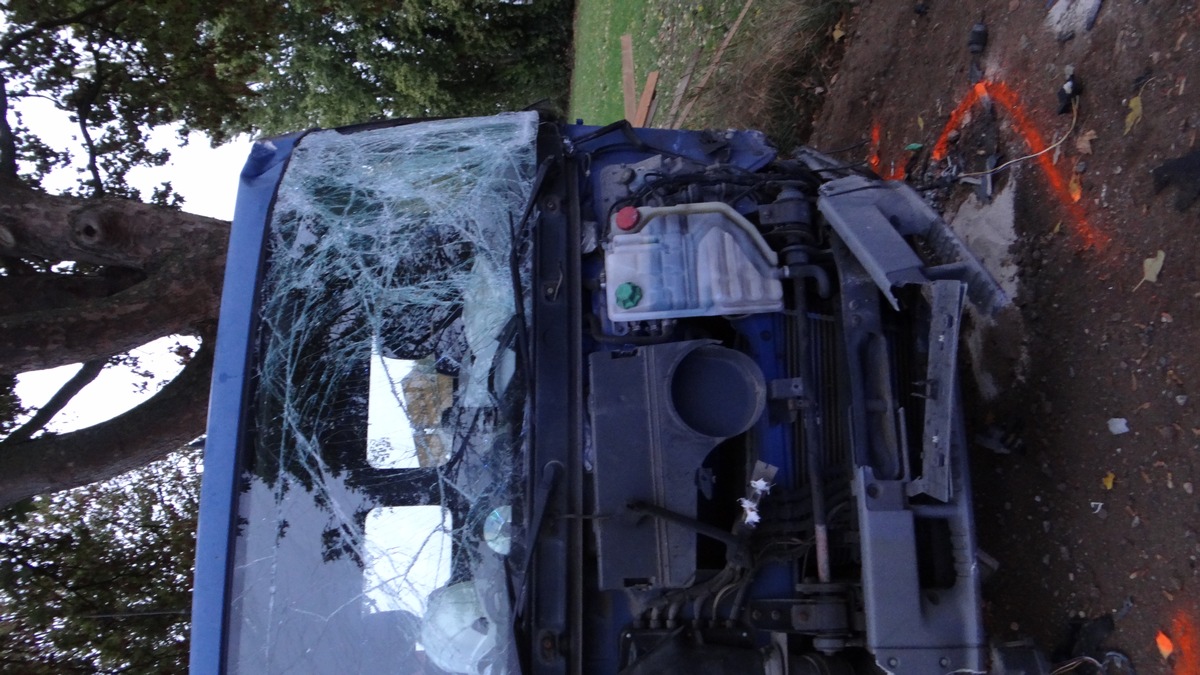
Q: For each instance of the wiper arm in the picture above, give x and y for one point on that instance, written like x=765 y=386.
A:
x=551 y=473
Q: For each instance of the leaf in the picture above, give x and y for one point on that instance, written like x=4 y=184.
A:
x=1084 y=143
x=1135 y=113
x=920 y=123
x=1164 y=644
x=1108 y=480
x=1151 y=268
x=1075 y=188
x=839 y=31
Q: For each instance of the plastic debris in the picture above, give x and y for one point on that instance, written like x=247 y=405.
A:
x=1164 y=644
x=1068 y=93
x=978 y=38
x=1182 y=172
x=1151 y=268
x=750 y=514
x=1135 y=113
x=760 y=486
x=1084 y=143
x=1108 y=479
x=1118 y=426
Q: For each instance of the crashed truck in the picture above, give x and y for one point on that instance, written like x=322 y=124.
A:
x=506 y=395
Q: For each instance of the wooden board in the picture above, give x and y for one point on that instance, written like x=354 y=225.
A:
x=716 y=59
x=643 y=108
x=681 y=88
x=628 y=85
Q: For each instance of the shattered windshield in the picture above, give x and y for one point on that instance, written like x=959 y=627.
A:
x=380 y=514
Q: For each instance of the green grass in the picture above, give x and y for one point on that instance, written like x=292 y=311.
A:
x=665 y=34
x=770 y=78
x=596 y=76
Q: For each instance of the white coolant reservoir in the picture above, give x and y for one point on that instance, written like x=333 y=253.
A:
x=706 y=259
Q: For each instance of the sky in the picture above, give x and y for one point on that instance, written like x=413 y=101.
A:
x=207 y=179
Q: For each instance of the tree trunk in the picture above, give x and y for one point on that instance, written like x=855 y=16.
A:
x=168 y=420
x=168 y=268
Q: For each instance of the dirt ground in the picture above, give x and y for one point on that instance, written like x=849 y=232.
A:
x=1080 y=519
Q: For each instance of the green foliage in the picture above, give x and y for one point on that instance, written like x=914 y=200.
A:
x=596 y=95
x=122 y=67
x=347 y=61
x=98 y=579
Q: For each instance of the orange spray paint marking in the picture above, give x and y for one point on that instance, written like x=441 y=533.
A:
x=1187 y=644
x=875 y=161
x=1008 y=99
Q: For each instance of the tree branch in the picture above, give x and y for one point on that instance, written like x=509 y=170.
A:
x=32 y=291
x=182 y=293
x=11 y=42
x=86 y=94
x=170 y=419
x=116 y=232
x=8 y=141
x=90 y=371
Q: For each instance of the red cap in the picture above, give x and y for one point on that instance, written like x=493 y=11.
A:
x=628 y=217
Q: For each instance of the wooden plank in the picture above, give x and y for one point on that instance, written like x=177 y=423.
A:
x=628 y=84
x=716 y=59
x=681 y=88
x=650 y=114
x=643 y=108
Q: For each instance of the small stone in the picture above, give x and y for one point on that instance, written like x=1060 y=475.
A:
x=1188 y=488
x=1014 y=626
x=1118 y=426
x=1046 y=526
x=1137 y=520
x=1046 y=559
x=1181 y=399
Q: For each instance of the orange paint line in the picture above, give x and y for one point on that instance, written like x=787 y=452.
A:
x=1008 y=99
x=1187 y=644
x=874 y=159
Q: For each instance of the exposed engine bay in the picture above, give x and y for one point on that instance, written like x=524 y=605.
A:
x=776 y=466
x=501 y=395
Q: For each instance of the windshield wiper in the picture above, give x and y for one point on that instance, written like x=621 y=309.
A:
x=551 y=473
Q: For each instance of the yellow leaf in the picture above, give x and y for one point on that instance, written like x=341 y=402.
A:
x=1075 y=188
x=920 y=123
x=1164 y=644
x=1057 y=227
x=1108 y=480
x=1135 y=113
x=1151 y=268
x=839 y=31
x=1084 y=143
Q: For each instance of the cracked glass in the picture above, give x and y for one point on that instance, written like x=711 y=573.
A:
x=380 y=516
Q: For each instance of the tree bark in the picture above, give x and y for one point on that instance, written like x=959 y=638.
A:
x=169 y=268
x=168 y=420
